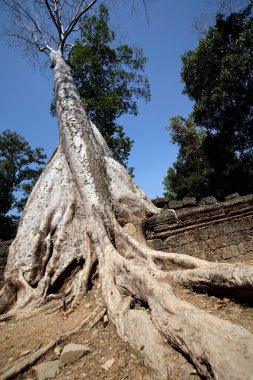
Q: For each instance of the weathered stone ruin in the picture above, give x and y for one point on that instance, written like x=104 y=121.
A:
x=209 y=230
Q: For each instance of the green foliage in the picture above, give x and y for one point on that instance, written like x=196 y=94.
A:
x=109 y=78
x=218 y=77
x=190 y=173
x=20 y=166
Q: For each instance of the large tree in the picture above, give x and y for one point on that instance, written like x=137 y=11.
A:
x=218 y=77
x=20 y=167
x=85 y=213
x=109 y=77
x=190 y=174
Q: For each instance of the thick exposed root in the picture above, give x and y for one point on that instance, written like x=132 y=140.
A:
x=198 y=335
x=236 y=280
x=84 y=212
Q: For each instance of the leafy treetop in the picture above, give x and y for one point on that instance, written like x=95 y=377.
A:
x=20 y=166
x=218 y=77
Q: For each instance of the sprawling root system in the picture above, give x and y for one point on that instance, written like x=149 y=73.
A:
x=86 y=218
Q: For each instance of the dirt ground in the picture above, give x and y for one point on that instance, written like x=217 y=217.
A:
x=22 y=336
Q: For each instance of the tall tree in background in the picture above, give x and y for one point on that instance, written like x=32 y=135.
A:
x=218 y=77
x=109 y=78
x=85 y=214
x=190 y=175
x=20 y=167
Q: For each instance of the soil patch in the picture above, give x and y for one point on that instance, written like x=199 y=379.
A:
x=24 y=335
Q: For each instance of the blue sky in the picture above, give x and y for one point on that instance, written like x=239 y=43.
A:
x=26 y=93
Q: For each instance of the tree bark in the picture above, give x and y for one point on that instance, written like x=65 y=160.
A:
x=84 y=213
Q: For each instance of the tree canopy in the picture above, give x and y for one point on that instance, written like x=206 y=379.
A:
x=110 y=78
x=218 y=77
x=20 y=166
x=190 y=175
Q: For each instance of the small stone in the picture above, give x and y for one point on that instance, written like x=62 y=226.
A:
x=72 y=352
x=108 y=364
x=47 y=370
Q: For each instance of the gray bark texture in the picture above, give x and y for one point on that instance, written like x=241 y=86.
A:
x=86 y=215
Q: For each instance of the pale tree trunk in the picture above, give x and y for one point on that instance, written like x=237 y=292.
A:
x=86 y=214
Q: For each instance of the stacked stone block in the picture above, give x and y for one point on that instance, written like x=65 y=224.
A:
x=210 y=230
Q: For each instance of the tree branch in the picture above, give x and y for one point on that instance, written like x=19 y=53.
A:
x=75 y=20
x=59 y=29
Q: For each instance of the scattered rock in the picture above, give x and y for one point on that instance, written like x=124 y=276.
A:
x=72 y=352
x=47 y=370
x=108 y=364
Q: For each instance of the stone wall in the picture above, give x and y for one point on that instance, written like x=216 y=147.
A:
x=210 y=230
x=4 y=249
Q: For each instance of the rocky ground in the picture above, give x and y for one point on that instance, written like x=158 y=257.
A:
x=22 y=336
x=109 y=357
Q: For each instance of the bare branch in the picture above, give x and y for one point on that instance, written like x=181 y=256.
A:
x=46 y=25
x=80 y=12
x=56 y=22
x=202 y=22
